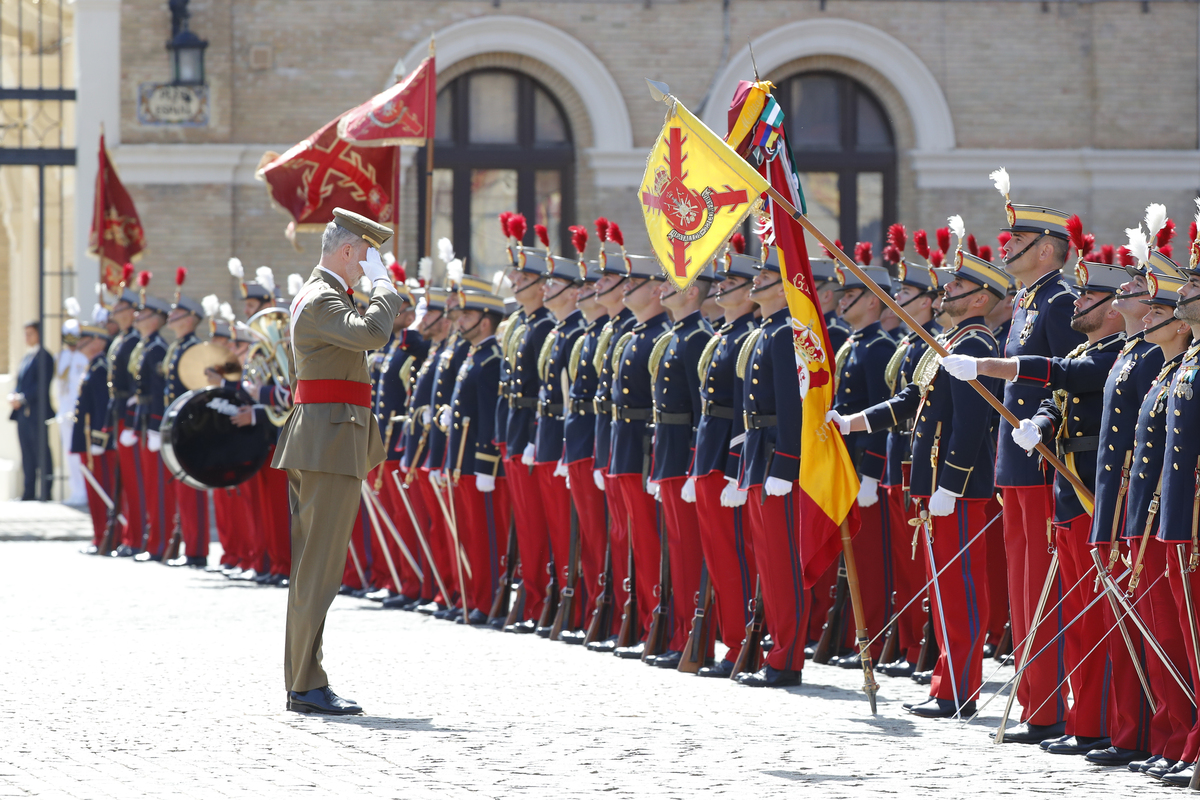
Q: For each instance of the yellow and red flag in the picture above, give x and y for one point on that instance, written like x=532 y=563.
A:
x=404 y=114
x=116 y=237
x=695 y=193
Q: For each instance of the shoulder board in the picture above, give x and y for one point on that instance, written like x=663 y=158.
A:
x=657 y=352
x=544 y=354
x=747 y=349
x=573 y=359
x=492 y=355
x=696 y=332
x=1079 y=350
x=1061 y=291
x=892 y=371
x=706 y=356
x=602 y=343
x=620 y=348
x=839 y=361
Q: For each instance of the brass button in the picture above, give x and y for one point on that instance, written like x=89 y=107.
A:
x=1107 y=468
x=1020 y=401
x=1074 y=399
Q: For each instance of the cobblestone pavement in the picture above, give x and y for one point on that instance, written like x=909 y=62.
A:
x=32 y=521
x=135 y=680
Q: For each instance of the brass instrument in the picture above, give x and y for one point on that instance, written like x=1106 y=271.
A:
x=269 y=359
x=199 y=357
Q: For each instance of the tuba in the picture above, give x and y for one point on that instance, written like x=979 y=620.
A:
x=269 y=358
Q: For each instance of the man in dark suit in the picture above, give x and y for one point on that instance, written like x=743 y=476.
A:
x=31 y=408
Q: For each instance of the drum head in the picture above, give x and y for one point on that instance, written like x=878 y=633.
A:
x=201 y=445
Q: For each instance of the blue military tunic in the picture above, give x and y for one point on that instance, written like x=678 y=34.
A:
x=412 y=448
x=720 y=404
x=1181 y=479
x=771 y=418
x=946 y=415
x=839 y=331
x=897 y=375
x=151 y=383
x=444 y=373
x=121 y=386
x=522 y=384
x=505 y=335
x=579 y=428
x=475 y=399
x=612 y=333
x=1041 y=326
x=398 y=363
x=861 y=365
x=1148 y=451
x=1073 y=416
x=91 y=407
x=633 y=397
x=554 y=376
x=677 y=396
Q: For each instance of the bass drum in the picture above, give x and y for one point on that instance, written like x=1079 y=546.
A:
x=203 y=448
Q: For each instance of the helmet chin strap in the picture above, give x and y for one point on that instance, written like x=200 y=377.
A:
x=530 y=285
x=1010 y=259
x=1189 y=300
x=473 y=327
x=765 y=286
x=1131 y=295
x=554 y=296
x=1162 y=324
x=1092 y=307
x=609 y=290
x=722 y=292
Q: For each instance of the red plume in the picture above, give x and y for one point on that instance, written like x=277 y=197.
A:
x=921 y=243
x=180 y=275
x=1192 y=231
x=1089 y=242
x=985 y=252
x=1108 y=254
x=398 y=274
x=838 y=244
x=936 y=258
x=943 y=239
x=1165 y=236
x=1166 y=250
x=1074 y=226
x=542 y=234
x=517 y=226
x=897 y=237
x=891 y=255
x=1124 y=257
x=972 y=247
x=614 y=234
x=1002 y=240
x=738 y=243
x=579 y=238
x=126 y=274
x=862 y=253
x=601 y=230
x=505 y=216
x=144 y=277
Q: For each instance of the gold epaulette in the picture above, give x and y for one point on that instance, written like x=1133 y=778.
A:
x=406 y=373
x=656 y=354
x=706 y=357
x=602 y=343
x=135 y=360
x=573 y=361
x=839 y=361
x=620 y=348
x=892 y=371
x=747 y=349
x=544 y=354
x=516 y=335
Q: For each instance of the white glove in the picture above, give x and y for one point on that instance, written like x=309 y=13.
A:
x=426 y=415
x=373 y=267
x=965 y=368
x=843 y=423
x=444 y=417
x=128 y=438
x=560 y=469
x=1028 y=435
x=567 y=479
x=485 y=483
x=868 y=492
x=652 y=489
x=97 y=450
x=777 y=487
x=435 y=477
x=154 y=441
x=527 y=456
x=942 y=503
x=688 y=493
x=598 y=479
x=731 y=495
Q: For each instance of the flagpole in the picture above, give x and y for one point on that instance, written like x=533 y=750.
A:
x=430 y=106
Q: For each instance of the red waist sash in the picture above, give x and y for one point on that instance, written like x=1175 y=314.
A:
x=333 y=391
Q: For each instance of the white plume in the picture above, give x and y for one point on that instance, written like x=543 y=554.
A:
x=100 y=286
x=445 y=250
x=1156 y=217
x=425 y=269
x=1197 y=212
x=266 y=278
x=1138 y=245
x=71 y=327
x=227 y=312
x=957 y=227
x=211 y=305
x=454 y=271
x=72 y=307
x=99 y=314
x=295 y=284
x=501 y=285
x=389 y=258
x=1000 y=179
x=235 y=268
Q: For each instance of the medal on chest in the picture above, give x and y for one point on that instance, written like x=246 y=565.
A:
x=1027 y=328
x=1126 y=369
x=1183 y=382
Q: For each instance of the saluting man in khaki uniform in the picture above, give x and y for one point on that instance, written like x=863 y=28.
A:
x=330 y=440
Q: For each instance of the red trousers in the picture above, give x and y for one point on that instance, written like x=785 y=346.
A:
x=555 y=501
x=238 y=520
x=964 y=600
x=642 y=512
x=533 y=534
x=725 y=540
x=685 y=555
x=252 y=514
x=133 y=533
x=440 y=542
x=1155 y=601
x=192 y=507
x=593 y=534
x=1027 y=513
x=229 y=533
x=1090 y=677
x=274 y=488
x=158 y=499
x=908 y=573
x=102 y=470
x=618 y=536
x=393 y=506
x=1129 y=718
x=997 y=574
x=1191 y=637
x=483 y=526
x=775 y=531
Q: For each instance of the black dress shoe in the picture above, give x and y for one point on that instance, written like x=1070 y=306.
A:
x=321 y=701
x=232 y=573
x=399 y=601
x=603 y=645
x=145 y=556
x=1166 y=767
x=363 y=592
x=936 y=708
x=218 y=567
x=1077 y=745
x=898 y=669
x=1045 y=743
x=809 y=652
x=196 y=562
x=1181 y=776
x=414 y=605
x=445 y=613
x=124 y=551
x=346 y=590
x=181 y=561
x=264 y=578
x=923 y=678
x=1144 y=764
x=430 y=608
x=1034 y=734
x=1115 y=756
x=543 y=631
x=476 y=618
x=379 y=595
x=767 y=643
x=769 y=676
x=989 y=650
x=90 y=550
x=635 y=651
x=850 y=662
x=524 y=626
x=721 y=669
x=572 y=637
x=668 y=660
x=248 y=575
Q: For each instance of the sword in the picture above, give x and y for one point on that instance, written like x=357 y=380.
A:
x=460 y=557
x=1051 y=576
x=391 y=526
x=412 y=515
x=366 y=496
x=1133 y=655
x=937 y=591
x=95 y=484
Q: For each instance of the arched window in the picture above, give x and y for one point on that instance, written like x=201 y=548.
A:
x=503 y=143
x=845 y=154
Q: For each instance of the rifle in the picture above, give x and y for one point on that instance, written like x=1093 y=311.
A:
x=565 y=618
x=501 y=602
x=631 y=627
x=172 y=550
x=550 y=606
x=929 y=653
x=833 y=634
x=1004 y=647
x=891 y=645
x=658 y=638
x=750 y=655
x=110 y=525
x=695 y=652
x=601 y=625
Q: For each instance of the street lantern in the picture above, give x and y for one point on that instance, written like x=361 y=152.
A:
x=187 y=49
